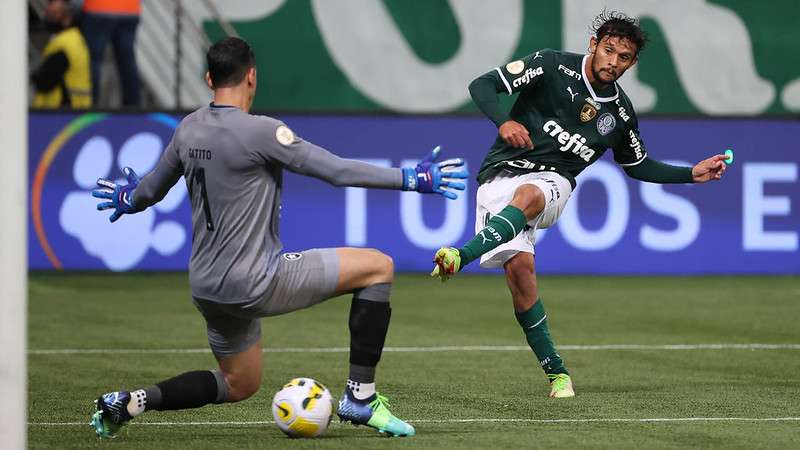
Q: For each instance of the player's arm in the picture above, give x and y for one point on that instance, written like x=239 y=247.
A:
x=632 y=156
x=305 y=158
x=484 y=91
x=511 y=78
x=659 y=172
x=654 y=171
x=139 y=194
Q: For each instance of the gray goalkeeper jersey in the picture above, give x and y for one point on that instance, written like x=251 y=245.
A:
x=232 y=163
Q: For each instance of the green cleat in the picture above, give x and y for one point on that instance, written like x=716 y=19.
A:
x=104 y=427
x=448 y=263
x=384 y=421
x=373 y=413
x=112 y=413
x=560 y=385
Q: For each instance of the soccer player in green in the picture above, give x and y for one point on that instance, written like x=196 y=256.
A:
x=570 y=109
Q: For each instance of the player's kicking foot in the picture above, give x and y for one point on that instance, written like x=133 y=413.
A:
x=448 y=263
x=373 y=412
x=112 y=413
x=560 y=386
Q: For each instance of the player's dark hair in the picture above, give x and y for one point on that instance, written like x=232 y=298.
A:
x=228 y=61
x=615 y=23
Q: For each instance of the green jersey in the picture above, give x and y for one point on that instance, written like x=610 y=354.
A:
x=571 y=125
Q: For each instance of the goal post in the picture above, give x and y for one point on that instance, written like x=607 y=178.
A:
x=13 y=226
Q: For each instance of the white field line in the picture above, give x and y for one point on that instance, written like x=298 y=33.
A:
x=480 y=420
x=468 y=348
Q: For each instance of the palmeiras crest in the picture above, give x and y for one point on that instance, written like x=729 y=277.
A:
x=606 y=124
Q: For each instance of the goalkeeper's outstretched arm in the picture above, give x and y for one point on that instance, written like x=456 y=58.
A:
x=428 y=176
x=139 y=194
x=156 y=184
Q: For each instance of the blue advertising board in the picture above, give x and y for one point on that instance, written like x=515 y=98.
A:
x=747 y=223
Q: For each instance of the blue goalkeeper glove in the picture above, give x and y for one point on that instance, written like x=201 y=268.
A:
x=121 y=196
x=431 y=177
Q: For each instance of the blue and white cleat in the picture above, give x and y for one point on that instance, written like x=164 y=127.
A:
x=372 y=412
x=112 y=413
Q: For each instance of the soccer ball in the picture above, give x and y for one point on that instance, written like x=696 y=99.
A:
x=303 y=408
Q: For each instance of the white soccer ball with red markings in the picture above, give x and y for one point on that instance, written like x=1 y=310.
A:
x=303 y=408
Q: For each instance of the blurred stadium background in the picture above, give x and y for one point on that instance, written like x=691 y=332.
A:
x=385 y=81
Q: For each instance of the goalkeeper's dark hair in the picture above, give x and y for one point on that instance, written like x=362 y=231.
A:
x=618 y=24
x=228 y=61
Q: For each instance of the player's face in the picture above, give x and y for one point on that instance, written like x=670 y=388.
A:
x=611 y=57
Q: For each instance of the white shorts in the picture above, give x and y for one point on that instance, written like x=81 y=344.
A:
x=497 y=194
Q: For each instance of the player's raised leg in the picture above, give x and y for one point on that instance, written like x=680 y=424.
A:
x=529 y=310
x=540 y=197
x=526 y=204
x=368 y=274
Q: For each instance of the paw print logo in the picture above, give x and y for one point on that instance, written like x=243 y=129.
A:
x=122 y=245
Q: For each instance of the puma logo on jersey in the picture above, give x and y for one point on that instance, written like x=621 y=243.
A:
x=636 y=144
x=571 y=94
x=574 y=143
x=526 y=77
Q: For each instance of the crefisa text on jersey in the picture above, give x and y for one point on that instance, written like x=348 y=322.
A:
x=569 y=140
x=200 y=153
x=622 y=113
x=526 y=77
x=636 y=144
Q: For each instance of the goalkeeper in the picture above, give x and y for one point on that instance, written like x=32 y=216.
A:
x=570 y=109
x=232 y=162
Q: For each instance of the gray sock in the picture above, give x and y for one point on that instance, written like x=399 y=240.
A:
x=379 y=292
x=153 y=396
x=362 y=374
x=222 y=387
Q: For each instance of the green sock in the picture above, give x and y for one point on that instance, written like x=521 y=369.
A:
x=534 y=325
x=501 y=228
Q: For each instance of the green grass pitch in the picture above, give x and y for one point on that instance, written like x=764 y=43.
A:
x=492 y=396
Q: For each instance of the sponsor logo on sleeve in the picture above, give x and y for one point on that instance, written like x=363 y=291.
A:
x=528 y=76
x=606 y=124
x=292 y=256
x=515 y=67
x=622 y=113
x=537 y=55
x=284 y=135
x=636 y=144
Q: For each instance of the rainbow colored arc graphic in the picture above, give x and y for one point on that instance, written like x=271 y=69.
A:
x=49 y=155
